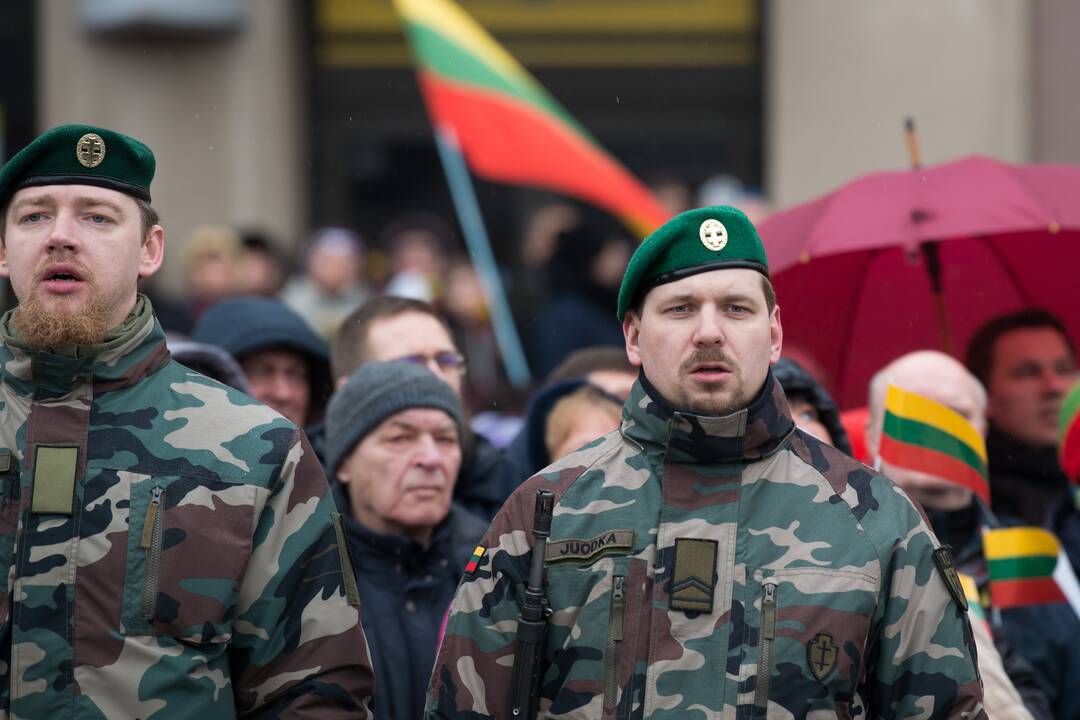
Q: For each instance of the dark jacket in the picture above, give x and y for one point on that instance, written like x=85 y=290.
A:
x=486 y=479
x=245 y=325
x=1065 y=523
x=405 y=591
x=1025 y=481
x=1044 y=635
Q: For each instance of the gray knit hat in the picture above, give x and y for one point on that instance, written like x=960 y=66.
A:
x=374 y=392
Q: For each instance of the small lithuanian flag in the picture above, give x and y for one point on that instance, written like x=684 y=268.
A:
x=926 y=436
x=474 y=561
x=1022 y=562
x=971 y=592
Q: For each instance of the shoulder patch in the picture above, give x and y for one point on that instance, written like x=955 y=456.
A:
x=943 y=560
x=607 y=543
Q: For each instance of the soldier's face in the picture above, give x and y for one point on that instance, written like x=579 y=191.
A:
x=400 y=477
x=70 y=250
x=1031 y=370
x=706 y=342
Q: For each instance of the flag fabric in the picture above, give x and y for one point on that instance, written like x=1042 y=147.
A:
x=1021 y=561
x=1069 y=452
x=508 y=127
x=923 y=435
x=971 y=592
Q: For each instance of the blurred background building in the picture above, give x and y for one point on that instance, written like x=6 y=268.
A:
x=286 y=116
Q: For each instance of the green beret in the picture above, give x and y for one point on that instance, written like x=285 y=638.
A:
x=709 y=238
x=80 y=155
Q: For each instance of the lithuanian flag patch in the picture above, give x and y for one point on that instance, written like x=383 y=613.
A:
x=474 y=561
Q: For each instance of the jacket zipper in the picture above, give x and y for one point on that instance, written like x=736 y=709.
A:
x=765 y=646
x=151 y=541
x=614 y=639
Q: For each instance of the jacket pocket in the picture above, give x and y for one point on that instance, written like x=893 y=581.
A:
x=812 y=628
x=597 y=638
x=193 y=540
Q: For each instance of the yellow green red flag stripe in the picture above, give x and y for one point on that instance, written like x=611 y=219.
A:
x=509 y=128
x=923 y=435
x=1021 y=561
x=474 y=561
x=971 y=592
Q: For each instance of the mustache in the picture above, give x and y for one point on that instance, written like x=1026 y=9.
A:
x=707 y=355
x=66 y=257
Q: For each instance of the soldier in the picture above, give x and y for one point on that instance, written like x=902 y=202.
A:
x=168 y=545
x=709 y=559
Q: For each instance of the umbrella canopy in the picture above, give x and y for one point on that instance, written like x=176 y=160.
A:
x=863 y=274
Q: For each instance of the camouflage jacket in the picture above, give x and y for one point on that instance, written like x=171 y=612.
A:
x=167 y=545
x=715 y=567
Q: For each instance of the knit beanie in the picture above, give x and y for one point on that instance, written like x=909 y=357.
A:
x=1070 y=435
x=376 y=391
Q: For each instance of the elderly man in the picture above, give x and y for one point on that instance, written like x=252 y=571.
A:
x=396 y=329
x=1027 y=363
x=709 y=559
x=168 y=545
x=393 y=440
x=1044 y=635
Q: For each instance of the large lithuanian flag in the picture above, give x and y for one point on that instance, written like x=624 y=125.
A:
x=508 y=127
x=923 y=435
x=1021 y=562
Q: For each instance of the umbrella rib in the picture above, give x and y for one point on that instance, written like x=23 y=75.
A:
x=841 y=376
x=1009 y=272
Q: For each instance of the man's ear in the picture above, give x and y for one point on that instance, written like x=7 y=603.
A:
x=631 y=327
x=776 y=335
x=152 y=252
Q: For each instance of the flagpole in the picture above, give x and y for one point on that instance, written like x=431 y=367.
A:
x=476 y=239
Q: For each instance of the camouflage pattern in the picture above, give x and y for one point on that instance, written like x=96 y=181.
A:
x=834 y=558
x=198 y=574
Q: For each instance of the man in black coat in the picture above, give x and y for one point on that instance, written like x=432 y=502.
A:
x=393 y=441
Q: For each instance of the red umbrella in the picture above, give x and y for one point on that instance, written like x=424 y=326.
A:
x=899 y=261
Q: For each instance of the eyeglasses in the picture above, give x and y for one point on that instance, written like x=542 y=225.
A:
x=447 y=361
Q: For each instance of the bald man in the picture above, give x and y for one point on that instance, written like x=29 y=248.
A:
x=1041 y=634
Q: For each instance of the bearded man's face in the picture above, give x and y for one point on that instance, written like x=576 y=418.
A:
x=74 y=254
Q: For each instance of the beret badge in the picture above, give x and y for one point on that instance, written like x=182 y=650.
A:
x=713 y=235
x=90 y=150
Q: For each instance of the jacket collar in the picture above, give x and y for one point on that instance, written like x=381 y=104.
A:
x=382 y=547
x=128 y=353
x=744 y=436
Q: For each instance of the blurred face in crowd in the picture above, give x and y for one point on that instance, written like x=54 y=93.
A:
x=587 y=424
x=1030 y=372
x=419 y=338
x=942 y=379
x=334 y=269
x=706 y=341
x=279 y=378
x=74 y=254
x=400 y=477
x=613 y=382
x=807 y=419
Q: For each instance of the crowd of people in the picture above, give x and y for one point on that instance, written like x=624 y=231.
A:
x=710 y=500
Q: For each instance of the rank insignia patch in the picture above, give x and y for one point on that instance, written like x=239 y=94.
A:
x=474 y=561
x=821 y=655
x=694 y=580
